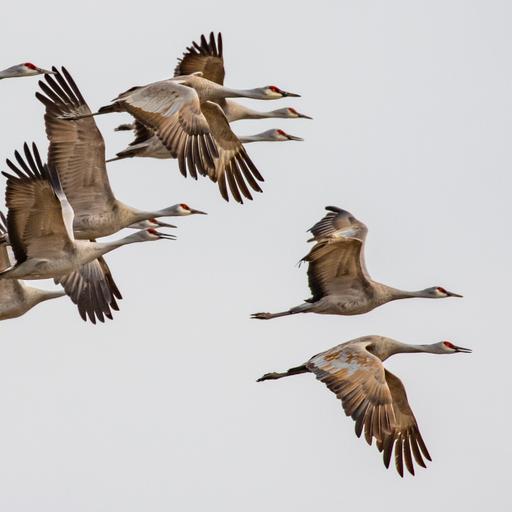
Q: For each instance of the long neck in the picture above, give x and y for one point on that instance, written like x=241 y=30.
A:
x=403 y=348
x=234 y=112
x=105 y=247
x=245 y=139
x=256 y=94
x=390 y=293
x=133 y=216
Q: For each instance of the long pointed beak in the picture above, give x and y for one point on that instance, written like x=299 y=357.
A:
x=304 y=116
x=287 y=94
x=166 y=236
x=164 y=224
x=292 y=137
x=45 y=71
x=451 y=294
x=463 y=350
x=197 y=211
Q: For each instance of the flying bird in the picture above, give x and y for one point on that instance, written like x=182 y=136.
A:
x=25 y=69
x=40 y=231
x=16 y=298
x=147 y=144
x=337 y=273
x=186 y=115
x=373 y=396
x=207 y=58
x=77 y=151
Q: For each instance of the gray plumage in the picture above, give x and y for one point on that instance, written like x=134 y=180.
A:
x=337 y=274
x=16 y=298
x=40 y=231
x=373 y=396
x=77 y=151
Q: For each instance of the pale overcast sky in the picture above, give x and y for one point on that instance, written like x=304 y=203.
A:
x=159 y=410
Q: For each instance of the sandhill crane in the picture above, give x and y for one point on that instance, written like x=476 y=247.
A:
x=194 y=128
x=207 y=58
x=147 y=144
x=25 y=69
x=374 y=397
x=186 y=116
x=337 y=273
x=15 y=297
x=77 y=150
x=40 y=231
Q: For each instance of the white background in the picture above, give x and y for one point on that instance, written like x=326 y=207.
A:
x=159 y=410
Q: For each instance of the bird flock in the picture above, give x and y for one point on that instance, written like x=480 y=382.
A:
x=59 y=207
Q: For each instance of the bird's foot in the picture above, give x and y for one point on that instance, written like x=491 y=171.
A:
x=262 y=316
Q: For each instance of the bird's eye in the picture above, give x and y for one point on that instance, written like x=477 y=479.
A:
x=442 y=290
x=153 y=231
x=281 y=132
x=273 y=88
x=30 y=65
x=448 y=344
x=293 y=111
x=184 y=206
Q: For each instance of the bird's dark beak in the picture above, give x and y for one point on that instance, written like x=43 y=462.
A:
x=451 y=294
x=165 y=236
x=45 y=71
x=164 y=224
x=292 y=137
x=304 y=116
x=287 y=94
x=463 y=350
x=199 y=212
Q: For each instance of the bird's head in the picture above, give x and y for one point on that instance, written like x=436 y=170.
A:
x=25 y=69
x=447 y=347
x=281 y=135
x=184 y=209
x=289 y=113
x=272 y=92
x=292 y=113
x=152 y=235
x=438 y=292
x=155 y=223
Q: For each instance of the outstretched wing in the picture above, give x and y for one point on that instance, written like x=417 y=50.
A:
x=39 y=219
x=405 y=439
x=233 y=167
x=93 y=290
x=205 y=57
x=336 y=261
x=376 y=401
x=77 y=148
x=142 y=133
x=173 y=111
x=357 y=378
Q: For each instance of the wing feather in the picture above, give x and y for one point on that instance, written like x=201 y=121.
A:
x=375 y=399
x=36 y=218
x=205 y=57
x=336 y=261
x=77 y=148
x=93 y=290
